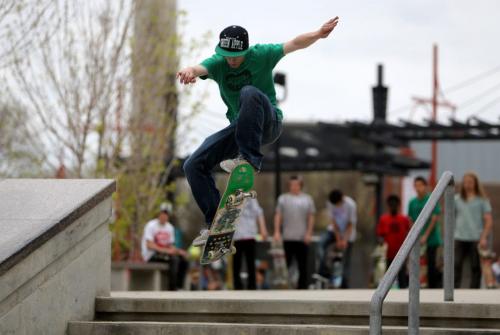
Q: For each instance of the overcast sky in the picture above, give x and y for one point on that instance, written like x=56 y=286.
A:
x=332 y=79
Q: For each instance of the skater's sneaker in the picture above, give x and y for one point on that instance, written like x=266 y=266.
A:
x=229 y=164
x=201 y=239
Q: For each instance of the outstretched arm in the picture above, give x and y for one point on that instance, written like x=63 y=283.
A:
x=189 y=74
x=305 y=40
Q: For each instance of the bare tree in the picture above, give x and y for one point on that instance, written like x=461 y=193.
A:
x=20 y=21
x=72 y=78
x=20 y=156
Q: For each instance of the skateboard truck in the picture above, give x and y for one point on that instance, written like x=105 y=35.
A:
x=221 y=252
x=236 y=199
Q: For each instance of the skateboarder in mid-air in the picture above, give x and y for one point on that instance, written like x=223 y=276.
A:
x=244 y=76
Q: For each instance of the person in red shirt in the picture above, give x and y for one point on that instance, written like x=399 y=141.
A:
x=393 y=228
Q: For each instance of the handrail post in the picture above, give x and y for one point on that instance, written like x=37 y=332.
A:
x=414 y=290
x=411 y=247
x=449 y=230
x=376 y=319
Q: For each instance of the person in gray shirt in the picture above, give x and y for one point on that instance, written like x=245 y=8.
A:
x=295 y=214
x=474 y=224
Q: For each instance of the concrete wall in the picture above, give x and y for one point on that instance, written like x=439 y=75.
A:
x=44 y=284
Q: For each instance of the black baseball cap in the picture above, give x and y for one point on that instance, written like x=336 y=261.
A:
x=233 y=42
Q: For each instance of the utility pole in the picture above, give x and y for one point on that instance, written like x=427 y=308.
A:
x=435 y=88
x=435 y=104
x=279 y=78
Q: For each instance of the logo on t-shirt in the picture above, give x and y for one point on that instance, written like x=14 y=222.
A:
x=235 y=81
x=162 y=238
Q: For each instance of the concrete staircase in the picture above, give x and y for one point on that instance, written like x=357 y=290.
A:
x=285 y=313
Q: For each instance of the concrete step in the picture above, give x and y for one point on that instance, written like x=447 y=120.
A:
x=471 y=309
x=185 y=328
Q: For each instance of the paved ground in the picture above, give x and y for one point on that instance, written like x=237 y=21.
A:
x=426 y=295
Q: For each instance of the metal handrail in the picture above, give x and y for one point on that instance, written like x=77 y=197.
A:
x=446 y=186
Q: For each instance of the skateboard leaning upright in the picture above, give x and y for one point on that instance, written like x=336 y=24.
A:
x=337 y=256
x=379 y=256
x=238 y=188
x=280 y=271
x=487 y=258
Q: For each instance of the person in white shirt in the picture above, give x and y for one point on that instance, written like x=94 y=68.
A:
x=244 y=241
x=342 y=212
x=158 y=244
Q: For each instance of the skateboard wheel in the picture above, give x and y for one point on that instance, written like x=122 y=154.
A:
x=253 y=194
x=233 y=249
x=231 y=200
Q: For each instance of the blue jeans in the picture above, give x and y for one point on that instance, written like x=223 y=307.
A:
x=257 y=124
x=327 y=238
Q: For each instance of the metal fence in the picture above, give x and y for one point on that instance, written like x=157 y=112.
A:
x=446 y=186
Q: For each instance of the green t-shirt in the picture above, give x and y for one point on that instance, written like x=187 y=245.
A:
x=414 y=208
x=255 y=70
x=470 y=217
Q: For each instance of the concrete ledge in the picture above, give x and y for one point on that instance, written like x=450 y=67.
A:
x=68 y=244
x=34 y=210
x=193 y=328
x=473 y=308
x=56 y=255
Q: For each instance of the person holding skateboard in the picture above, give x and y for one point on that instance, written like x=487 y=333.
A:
x=342 y=211
x=244 y=76
x=252 y=221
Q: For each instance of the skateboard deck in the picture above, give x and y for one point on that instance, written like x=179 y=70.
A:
x=238 y=188
x=280 y=271
x=380 y=263
x=337 y=268
x=486 y=258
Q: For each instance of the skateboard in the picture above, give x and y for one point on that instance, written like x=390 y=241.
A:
x=337 y=267
x=487 y=257
x=320 y=282
x=220 y=238
x=280 y=271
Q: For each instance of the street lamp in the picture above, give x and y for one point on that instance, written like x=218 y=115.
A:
x=280 y=80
